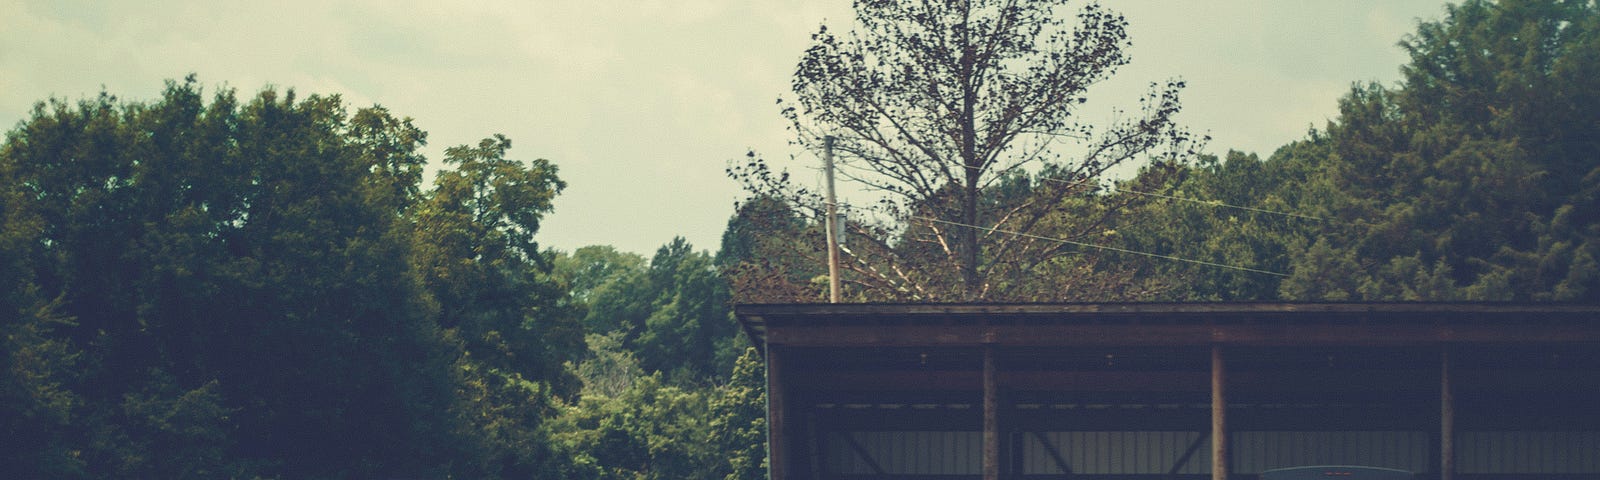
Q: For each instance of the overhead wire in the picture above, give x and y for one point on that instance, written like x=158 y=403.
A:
x=846 y=206
x=1192 y=200
x=1102 y=247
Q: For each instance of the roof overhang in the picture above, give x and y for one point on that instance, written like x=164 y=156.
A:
x=1168 y=324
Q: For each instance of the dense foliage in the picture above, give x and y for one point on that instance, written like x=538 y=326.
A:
x=202 y=288
x=210 y=287
x=1475 y=178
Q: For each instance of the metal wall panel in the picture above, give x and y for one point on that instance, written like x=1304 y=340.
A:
x=905 y=453
x=1101 y=453
x=1255 y=452
x=1157 y=452
x=1528 y=452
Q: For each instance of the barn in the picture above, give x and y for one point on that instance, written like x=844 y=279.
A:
x=1179 y=391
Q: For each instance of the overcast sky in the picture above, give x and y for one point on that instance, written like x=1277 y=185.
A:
x=641 y=103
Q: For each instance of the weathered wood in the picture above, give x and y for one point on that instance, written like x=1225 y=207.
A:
x=1227 y=309
x=991 y=417
x=1219 y=416
x=1183 y=461
x=1055 y=453
x=814 y=452
x=1447 y=418
x=1263 y=335
x=777 y=421
x=862 y=453
x=1166 y=380
x=1420 y=382
x=1500 y=317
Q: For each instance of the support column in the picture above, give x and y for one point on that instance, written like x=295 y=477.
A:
x=1219 y=416
x=777 y=453
x=1447 y=419
x=991 y=417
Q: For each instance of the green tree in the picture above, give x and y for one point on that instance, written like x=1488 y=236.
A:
x=691 y=331
x=1475 y=178
x=496 y=292
x=199 y=289
x=654 y=430
x=770 y=253
x=738 y=424
x=1472 y=179
x=495 y=288
x=1238 y=214
x=673 y=314
x=650 y=431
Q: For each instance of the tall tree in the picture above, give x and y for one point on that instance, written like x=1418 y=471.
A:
x=496 y=292
x=1476 y=178
x=934 y=103
x=217 y=289
x=478 y=258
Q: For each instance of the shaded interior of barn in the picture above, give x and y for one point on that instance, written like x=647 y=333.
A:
x=1126 y=391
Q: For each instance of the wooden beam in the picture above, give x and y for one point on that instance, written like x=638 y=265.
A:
x=1219 y=411
x=1138 y=381
x=1140 y=335
x=1055 y=453
x=1228 y=310
x=777 y=452
x=814 y=436
x=1014 y=450
x=991 y=417
x=1270 y=383
x=1187 y=454
x=862 y=453
x=1447 y=418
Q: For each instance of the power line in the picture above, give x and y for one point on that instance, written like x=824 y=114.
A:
x=847 y=206
x=1182 y=199
x=1102 y=247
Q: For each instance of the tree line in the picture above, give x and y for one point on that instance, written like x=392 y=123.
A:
x=209 y=286
x=1474 y=178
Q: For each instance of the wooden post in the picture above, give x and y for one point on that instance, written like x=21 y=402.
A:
x=1219 y=417
x=1447 y=419
x=991 y=417
x=777 y=454
x=832 y=222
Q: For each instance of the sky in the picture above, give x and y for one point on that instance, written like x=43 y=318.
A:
x=642 y=103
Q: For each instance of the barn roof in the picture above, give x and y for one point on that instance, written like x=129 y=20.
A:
x=1169 y=324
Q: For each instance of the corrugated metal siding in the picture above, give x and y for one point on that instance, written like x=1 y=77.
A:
x=1146 y=453
x=1255 y=452
x=1528 y=452
x=907 y=453
x=1114 y=453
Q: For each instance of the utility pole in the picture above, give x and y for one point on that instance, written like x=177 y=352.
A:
x=832 y=222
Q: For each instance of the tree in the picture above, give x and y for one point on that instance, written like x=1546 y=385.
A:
x=738 y=425
x=933 y=104
x=497 y=293
x=1237 y=214
x=673 y=314
x=496 y=289
x=226 y=289
x=1475 y=179
x=654 y=430
x=771 y=254
x=650 y=431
